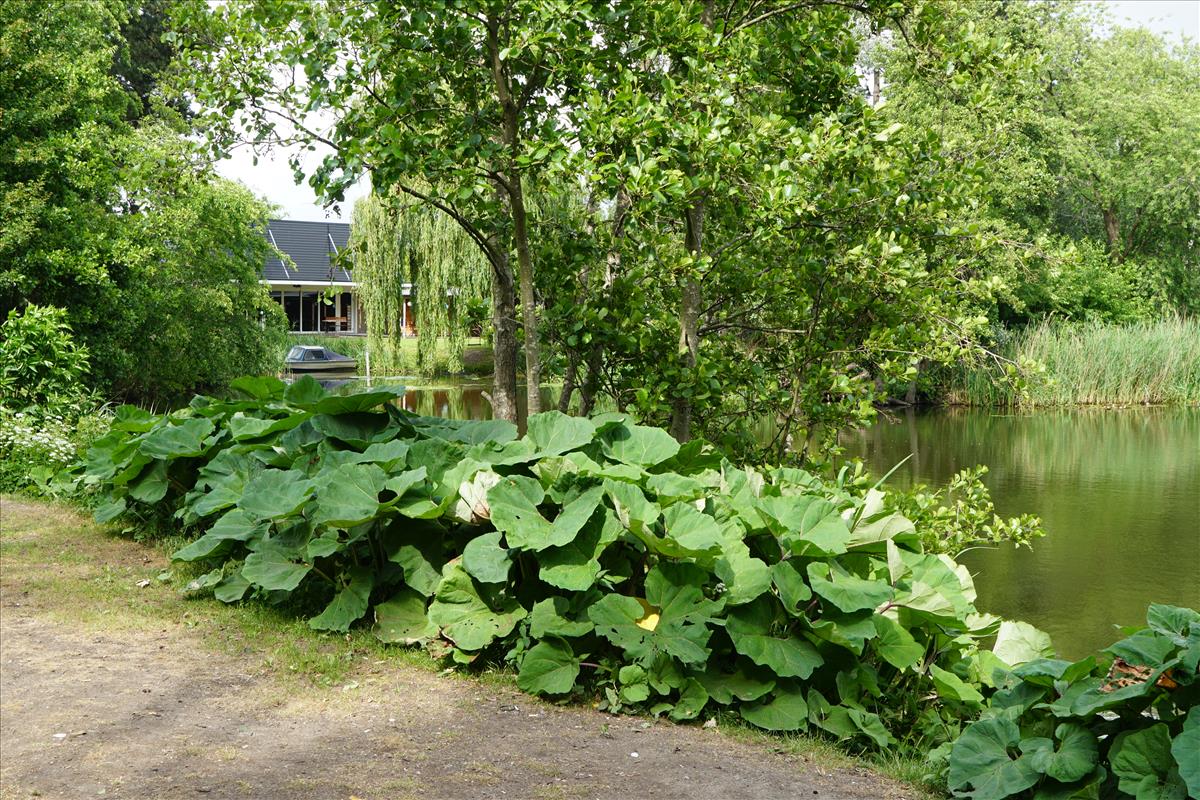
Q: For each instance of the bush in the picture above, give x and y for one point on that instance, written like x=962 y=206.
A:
x=40 y=363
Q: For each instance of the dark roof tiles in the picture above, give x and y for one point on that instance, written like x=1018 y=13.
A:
x=311 y=246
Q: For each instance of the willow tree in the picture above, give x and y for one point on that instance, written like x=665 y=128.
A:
x=396 y=242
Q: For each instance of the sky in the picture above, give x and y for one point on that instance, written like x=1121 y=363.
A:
x=272 y=179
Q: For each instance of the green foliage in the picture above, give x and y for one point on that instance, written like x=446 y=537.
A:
x=685 y=583
x=154 y=259
x=396 y=242
x=40 y=363
x=1126 y=724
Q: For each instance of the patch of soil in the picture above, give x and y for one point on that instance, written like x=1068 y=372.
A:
x=161 y=715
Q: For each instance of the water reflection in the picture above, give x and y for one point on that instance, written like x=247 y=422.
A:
x=1119 y=492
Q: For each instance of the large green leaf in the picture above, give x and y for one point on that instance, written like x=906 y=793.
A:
x=1019 y=642
x=638 y=444
x=806 y=525
x=673 y=618
x=746 y=683
x=234 y=526
x=549 y=617
x=751 y=629
x=275 y=493
x=982 y=764
x=1070 y=756
x=358 y=429
x=846 y=591
x=785 y=711
x=1143 y=762
x=634 y=511
x=554 y=433
x=349 y=604
x=514 y=511
x=185 y=440
x=895 y=644
x=244 y=428
x=789 y=582
x=357 y=402
x=304 y=392
x=1186 y=750
x=418 y=549
x=404 y=619
x=952 y=687
x=1172 y=621
x=349 y=494
x=486 y=560
x=151 y=485
x=468 y=616
x=273 y=570
x=259 y=387
x=548 y=668
x=576 y=565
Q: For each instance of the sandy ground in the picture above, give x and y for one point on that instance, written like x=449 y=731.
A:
x=90 y=712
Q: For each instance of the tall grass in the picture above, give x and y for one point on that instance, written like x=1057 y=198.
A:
x=1145 y=363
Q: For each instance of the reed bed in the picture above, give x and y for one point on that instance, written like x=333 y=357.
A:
x=1145 y=363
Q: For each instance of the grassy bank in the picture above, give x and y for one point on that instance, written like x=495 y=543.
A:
x=1148 y=363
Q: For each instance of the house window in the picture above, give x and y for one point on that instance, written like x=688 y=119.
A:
x=291 y=307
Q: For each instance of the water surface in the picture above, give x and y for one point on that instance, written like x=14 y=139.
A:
x=1117 y=491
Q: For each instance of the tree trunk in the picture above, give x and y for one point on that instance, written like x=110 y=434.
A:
x=504 y=340
x=689 y=322
x=612 y=265
x=1112 y=232
x=516 y=196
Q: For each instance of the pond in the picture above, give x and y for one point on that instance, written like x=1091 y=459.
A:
x=1118 y=492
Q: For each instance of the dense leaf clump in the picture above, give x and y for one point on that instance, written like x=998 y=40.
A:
x=1126 y=723
x=598 y=556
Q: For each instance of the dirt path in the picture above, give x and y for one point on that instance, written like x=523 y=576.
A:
x=155 y=711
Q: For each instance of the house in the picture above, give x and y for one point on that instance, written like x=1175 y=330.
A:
x=315 y=283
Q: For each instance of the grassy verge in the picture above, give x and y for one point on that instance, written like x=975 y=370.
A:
x=1149 y=363
x=75 y=572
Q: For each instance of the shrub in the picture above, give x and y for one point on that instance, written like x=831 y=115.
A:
x=40 y=363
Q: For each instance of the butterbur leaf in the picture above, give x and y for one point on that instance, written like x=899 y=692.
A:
x=548 y=617
x=674 y=619
x=232 y=588
x=514 y=511
x=747 y=684
x=1143 y=762
x=786 y=710
x=576 y=566
x=1186 y=750
x=895 y=644
x=107 y=512
x=806 y=525
x=749 y=627
x=692 y=700
x=259 y=387
x=468 y=617
x=548 y=668
x=404 y=619
x=1145 y=648
x=151 y=485
x=638 y=444
x=554 y=433
x=185 y=440
x=1071 y=756
x=635 y=685
x=419 y=552
x=349 y=604
x=982 y=764
x=304 y=392
x=633 y=510
x=360 y=401
x=348 y=495
x=1019 y=642
x=845 y=591
x=1172 y=621
x=486 y=560
x=274 y=571
x=789 y=582
x=275 y=493
x=952 y=687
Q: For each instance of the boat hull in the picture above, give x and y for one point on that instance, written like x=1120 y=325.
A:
x=322 y=367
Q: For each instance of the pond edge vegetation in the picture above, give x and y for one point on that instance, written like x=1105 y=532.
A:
x=603 y=560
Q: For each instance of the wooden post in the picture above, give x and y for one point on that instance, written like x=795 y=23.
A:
x=367 y=358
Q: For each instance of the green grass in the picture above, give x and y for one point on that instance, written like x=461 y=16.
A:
x=1146 y=363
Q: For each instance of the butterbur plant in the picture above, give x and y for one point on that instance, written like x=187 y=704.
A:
x=1126 y=723
x=599 y=557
